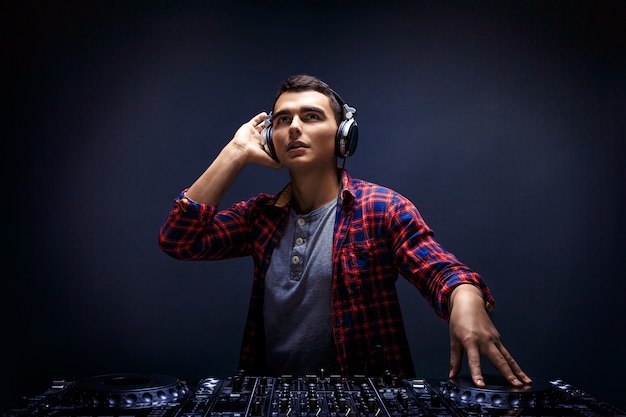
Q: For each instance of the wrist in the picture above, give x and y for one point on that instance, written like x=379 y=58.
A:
x=466 y=293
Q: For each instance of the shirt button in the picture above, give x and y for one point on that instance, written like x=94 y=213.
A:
x=299 y=241
x=301 y=222
x=295 y=259
x=183 y=204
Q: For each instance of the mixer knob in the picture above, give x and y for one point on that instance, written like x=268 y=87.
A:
x=237 y=383
x=342 y=404
x=256 y=408
x=387 y=377
x=371 y=403
x=403 y=398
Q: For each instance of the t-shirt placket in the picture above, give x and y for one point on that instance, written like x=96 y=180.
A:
x=299 y=249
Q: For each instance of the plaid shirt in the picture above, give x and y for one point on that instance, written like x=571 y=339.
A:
x=378 y=235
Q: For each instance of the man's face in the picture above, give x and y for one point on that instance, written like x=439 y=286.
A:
x=303 y=129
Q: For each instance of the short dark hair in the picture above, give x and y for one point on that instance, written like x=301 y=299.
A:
x=304 y=82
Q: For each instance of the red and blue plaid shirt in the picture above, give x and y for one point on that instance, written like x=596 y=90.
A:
x=379 y=234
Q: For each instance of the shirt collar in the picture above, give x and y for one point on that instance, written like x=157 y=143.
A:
x=347 y=191
x=347 y=194
x=284 y=197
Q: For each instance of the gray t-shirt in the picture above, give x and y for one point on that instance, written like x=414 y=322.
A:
x=298 y=289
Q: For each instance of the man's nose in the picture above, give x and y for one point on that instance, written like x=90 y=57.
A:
x=295 y=127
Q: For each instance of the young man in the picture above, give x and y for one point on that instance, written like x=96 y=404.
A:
x=327 y=251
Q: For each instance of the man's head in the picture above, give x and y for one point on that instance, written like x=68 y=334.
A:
x=308 y=82
x=346 y=130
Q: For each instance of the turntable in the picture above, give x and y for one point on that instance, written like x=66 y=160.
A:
x=498 y=394
x=155 y=395
x=113 y=395
x=126 y=391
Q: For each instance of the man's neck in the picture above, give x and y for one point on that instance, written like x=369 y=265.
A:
x=314 y=190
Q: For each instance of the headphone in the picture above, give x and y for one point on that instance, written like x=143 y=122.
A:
x=346 y=138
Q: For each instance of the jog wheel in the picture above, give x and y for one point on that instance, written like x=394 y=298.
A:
x=127 y=390
x=498 y=394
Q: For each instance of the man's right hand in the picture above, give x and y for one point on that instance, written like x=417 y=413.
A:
x=247 y=139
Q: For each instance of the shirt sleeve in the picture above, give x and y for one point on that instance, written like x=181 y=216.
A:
x=425 y=263
x=196 y=231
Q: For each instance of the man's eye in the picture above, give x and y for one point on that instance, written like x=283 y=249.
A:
x=283 y=119
x=313 y=116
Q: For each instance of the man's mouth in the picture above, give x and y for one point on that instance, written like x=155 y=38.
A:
x=296 y=145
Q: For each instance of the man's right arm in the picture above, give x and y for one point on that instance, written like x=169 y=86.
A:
x=244 y=148
x=185 y=234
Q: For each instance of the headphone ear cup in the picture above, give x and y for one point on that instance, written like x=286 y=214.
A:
x=268 y=144
x=347 y=138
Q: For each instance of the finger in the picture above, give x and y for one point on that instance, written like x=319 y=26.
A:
x=502 y=361
x=473 y=362
x=516 y=371
x=456 y=359
x=257 y=121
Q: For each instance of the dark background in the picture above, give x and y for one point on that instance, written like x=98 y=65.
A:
x=502 y=121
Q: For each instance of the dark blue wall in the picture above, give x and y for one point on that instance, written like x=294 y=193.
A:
x=502 y=121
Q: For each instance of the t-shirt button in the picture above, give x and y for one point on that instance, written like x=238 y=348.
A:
x=301 y=222
x=295 y=259
x=299 y=241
